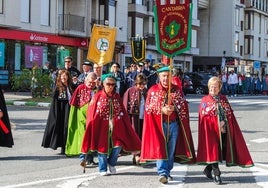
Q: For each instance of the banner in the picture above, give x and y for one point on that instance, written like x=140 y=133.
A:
x=173 y=25
x=17 y=56
x=33 y=56
x=2 y=54
x=138 y=46
x=102 y=44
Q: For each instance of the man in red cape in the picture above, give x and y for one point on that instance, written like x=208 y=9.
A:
x=108 y=127
x=166 y=132
x=219 y=135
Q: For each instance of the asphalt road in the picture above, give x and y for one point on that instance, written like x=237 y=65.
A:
x=27 y=164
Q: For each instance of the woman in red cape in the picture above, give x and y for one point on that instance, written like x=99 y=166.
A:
x=108 y=127
x=219 y=135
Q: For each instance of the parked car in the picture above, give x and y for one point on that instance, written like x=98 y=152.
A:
x=200 y=81
x=187 y=85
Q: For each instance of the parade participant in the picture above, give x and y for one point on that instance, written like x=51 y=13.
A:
x=57 y=123
x=166 y=131
x=134 y=100
x=219 y=135
x=77 y=118
x=108 y=127
x=87 y=68
x=6 y=139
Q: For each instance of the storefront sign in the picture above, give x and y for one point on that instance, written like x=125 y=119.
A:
x=2 y=54
x=43 y=38
x=17 y=56
x=33 y=56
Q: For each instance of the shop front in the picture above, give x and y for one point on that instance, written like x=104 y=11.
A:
x=26 y=49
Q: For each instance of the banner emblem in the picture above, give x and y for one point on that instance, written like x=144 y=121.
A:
x=102 y=44
x=173 y=27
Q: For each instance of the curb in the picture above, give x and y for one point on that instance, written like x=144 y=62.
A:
x=21 y=103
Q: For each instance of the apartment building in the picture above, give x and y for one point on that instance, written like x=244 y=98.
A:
x=233 y=36
x=34 y=32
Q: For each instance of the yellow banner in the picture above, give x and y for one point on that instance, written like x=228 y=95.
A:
x=101 y=46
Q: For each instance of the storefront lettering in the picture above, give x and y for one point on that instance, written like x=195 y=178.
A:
x=35 y=37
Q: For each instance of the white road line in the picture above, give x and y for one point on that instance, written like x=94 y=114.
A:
x=260 y=175
x=178 y=173
x=260 y=140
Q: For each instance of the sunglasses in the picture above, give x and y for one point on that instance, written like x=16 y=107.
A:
x=110 y=84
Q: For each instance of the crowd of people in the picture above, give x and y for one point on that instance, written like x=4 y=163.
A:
x=239 y=84
x=142 y=113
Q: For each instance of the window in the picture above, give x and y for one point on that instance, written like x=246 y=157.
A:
x=259 y=41
x=45 y=12
x=248 y=45
x=249 y=21
x=1 y=6
x=237 y=16
x=266 y=48
x=236 y=42
x=25 y=9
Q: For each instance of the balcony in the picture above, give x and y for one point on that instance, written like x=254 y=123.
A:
x=203 y=4
x=72 y=25
x=150 y=39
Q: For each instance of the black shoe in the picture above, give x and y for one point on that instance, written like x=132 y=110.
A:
x=91 y=164
x=170 y=178
x=208 y=174
x=217 y=180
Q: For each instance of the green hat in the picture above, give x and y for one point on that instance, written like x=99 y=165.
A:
x=163 y=69
x=104 y=76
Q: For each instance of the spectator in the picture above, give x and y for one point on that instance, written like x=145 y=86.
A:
x=232 y=82
x=120 y=78
x=68 y=61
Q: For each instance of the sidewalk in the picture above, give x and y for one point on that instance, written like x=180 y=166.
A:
x=16 y=98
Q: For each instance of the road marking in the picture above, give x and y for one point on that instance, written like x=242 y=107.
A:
x=178 y=173
x=260 y=175
x=260 y=140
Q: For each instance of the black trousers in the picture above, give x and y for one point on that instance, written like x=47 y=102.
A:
x=215 y=168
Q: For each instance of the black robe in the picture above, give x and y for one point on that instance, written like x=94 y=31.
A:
x=6 y=139
x=55 y=134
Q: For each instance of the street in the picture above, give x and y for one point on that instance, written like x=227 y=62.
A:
x=28 y=164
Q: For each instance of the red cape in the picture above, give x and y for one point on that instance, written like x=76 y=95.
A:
x=153 y=139
x=81 y=96
x=97 y=137
x=209 y=136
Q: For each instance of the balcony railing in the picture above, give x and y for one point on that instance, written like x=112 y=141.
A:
x=150 y=38
x=71 y=22
x=203 y=4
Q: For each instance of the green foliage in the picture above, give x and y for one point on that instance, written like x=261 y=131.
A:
x=21 y=81
x=40 y=84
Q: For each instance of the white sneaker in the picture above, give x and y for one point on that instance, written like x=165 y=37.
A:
x=112 y=169
x=103 y=173
x=163 y=179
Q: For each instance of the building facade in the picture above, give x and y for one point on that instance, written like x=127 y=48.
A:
x=233 y=36
x=35 y=32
